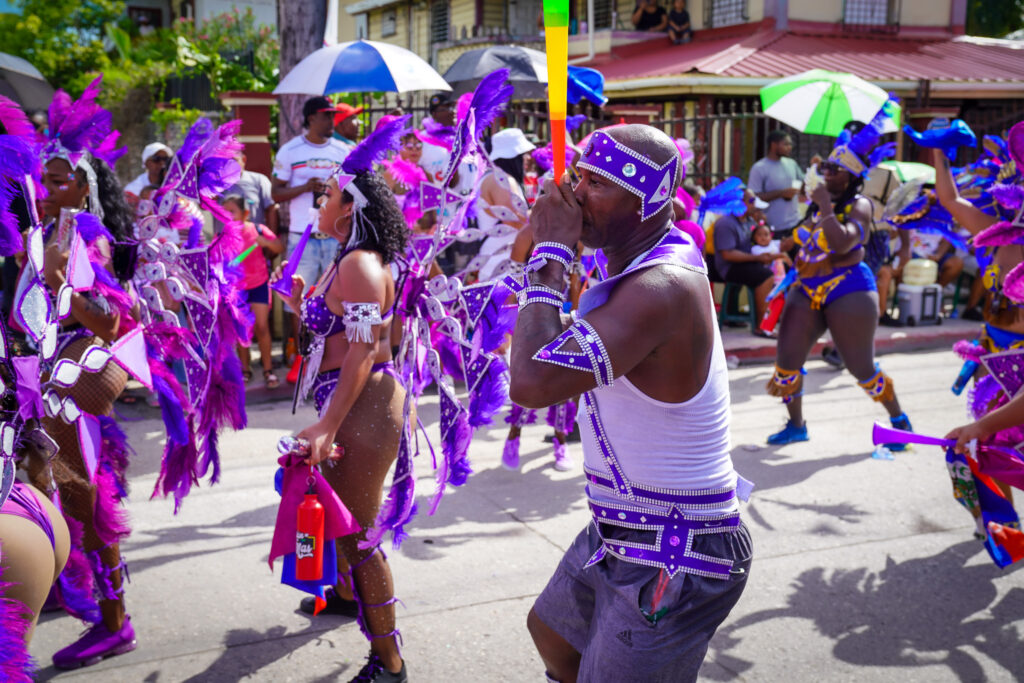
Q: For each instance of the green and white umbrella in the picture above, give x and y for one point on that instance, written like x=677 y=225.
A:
x=822 y=102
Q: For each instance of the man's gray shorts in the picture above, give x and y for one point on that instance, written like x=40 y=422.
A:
x=600 y=610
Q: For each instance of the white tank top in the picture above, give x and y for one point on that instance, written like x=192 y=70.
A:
x=669 y=445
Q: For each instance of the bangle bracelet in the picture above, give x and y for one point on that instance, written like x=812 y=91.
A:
x=549 y=251
x=540 y=294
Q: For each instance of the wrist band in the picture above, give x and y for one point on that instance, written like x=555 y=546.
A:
x=540 y=294
x=549 y=251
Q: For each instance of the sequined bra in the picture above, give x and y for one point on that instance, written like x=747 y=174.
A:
x=814 y=246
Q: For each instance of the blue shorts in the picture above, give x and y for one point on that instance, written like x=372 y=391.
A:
x=259 y=294
x=842 y=281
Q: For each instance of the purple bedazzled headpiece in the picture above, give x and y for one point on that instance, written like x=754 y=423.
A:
x=633 y=171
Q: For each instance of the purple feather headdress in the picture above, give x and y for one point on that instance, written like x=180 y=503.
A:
x=859 y=152
x=17 y=159
x=374 y=149
x=489 y=99
x=79 y=127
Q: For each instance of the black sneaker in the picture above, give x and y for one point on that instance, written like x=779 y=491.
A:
x=335 y=605
x=832 y=357
x=374 y=672
x=973 y=313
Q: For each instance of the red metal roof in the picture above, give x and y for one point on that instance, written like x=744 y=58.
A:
x=772 y=54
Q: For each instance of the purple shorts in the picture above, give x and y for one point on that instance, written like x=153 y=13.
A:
x=601 y=610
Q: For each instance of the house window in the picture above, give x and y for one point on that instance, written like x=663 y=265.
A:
x=439 y=21
x=871 y=12
x=362 y=26
x=725 y=12
x=388 y=23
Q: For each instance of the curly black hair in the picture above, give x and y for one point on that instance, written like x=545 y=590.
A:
x=118 y=217
x=388 y=237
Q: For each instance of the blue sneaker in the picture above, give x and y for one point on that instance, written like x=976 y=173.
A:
x=901 y=421
x=789 y=434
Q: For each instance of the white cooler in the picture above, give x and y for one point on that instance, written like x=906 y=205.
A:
x=919 y=304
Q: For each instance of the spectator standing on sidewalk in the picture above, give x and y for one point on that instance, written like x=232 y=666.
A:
x=155 y=158
x=777 y=180
x=347 y=124
x=301 y=170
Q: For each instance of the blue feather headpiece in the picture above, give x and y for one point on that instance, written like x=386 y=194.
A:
x=859 y=152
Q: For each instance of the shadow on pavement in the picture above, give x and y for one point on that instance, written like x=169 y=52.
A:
x=925 y=611
x=247 y=651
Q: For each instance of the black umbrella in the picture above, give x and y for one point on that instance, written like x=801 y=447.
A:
x=528 y=69
x=22 y=82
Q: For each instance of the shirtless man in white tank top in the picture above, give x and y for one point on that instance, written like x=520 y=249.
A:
x=644 y=587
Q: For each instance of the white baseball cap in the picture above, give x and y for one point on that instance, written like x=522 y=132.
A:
x=510 y=143
x=152 y=148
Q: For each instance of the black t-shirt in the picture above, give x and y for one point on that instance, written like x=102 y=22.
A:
x=649 y=20
x=679 y=18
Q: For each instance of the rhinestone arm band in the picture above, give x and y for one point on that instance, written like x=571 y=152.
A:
x=549 y=251
x=593 y=357
x=540 y=294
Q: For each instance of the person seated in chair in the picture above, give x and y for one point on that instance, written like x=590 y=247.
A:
x=734 y=261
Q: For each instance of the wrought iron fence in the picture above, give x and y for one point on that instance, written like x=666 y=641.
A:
x=727 y=137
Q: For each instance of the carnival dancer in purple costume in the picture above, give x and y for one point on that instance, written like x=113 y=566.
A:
x=835 y=290
x=359 y=396
x=1000 y=245
x=89 y=485
x=644 y=587
x=34 y=539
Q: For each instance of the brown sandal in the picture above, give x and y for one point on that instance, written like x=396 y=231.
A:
x=270 y=380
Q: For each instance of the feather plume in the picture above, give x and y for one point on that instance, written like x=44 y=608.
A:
x=1015 y=144
x=17 y=160
x=80 y=125
x=1001 y=234
x=490 y=395
x=574 y=122
x=488 y=101
x=375 y=147
x=14 y=120
x=724 y=198
x=1009 y=196
x=400 y=505
x=1013 y=284
x=685 y=152
x=968 y=350
x=15 y=662
x=75 y=585
x=406 y=174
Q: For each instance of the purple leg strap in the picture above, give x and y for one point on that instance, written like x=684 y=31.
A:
x=363 y=606
x=102 y=573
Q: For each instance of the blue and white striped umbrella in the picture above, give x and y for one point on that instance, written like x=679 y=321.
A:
x=360 y=66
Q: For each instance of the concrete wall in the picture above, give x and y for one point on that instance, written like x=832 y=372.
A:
x=925 y=12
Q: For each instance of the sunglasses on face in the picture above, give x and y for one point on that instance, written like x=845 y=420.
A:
x=829 y=167
x=413 y=145
x=160 y=159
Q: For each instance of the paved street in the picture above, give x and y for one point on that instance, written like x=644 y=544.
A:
x=864 y=569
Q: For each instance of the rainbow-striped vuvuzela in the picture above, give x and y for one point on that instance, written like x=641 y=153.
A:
x=556 y=39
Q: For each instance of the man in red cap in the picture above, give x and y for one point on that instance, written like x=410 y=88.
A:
x=346 y=124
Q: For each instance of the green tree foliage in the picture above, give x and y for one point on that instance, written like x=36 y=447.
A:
x=994 y=18
x=62 y=38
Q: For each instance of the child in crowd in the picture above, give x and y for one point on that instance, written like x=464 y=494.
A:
x=255 y=285
x=764 y=244
x=679 y=30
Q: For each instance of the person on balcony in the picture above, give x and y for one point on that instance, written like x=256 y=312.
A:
x=679 y=31
x=650 y=16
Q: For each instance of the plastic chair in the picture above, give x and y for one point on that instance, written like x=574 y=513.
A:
x=730 y=312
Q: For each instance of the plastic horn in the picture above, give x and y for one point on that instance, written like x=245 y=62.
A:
x=556 y=40
x=241 y=257
x=881 y=434
x=284 y=285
